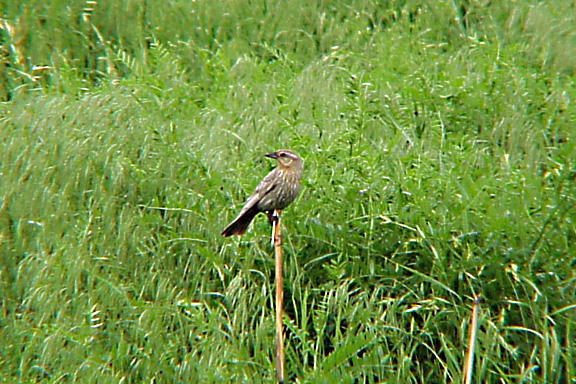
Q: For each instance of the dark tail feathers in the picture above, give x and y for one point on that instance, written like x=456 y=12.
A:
x=241 y=223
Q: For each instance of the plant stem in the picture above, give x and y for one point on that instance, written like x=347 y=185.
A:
x=469 y=359
x=277 y=240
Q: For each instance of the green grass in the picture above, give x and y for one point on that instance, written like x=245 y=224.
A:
x=439 y=164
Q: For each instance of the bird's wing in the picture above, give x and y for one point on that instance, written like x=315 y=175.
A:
x=266 y=186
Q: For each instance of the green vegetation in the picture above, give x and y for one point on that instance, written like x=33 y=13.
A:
x=439 y=147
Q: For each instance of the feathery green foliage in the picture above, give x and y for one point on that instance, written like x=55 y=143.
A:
x=438 y=140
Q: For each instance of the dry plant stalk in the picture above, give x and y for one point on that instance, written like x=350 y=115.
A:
x=14 y=42
x=472 y=331
x=277 y=241
x=87 y=12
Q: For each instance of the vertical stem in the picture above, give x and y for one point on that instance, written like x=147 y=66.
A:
x=469 y=359
x=277 y=240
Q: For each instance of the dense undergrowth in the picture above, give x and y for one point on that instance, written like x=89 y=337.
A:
x=439 y=165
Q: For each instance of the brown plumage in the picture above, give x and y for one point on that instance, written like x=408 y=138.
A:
x=278 y=189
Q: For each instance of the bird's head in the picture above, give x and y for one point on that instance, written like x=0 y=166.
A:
x=286 y=158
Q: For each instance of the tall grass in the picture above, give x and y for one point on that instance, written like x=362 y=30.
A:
x=439 y=149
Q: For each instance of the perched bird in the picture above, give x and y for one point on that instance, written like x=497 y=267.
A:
x=278 y=189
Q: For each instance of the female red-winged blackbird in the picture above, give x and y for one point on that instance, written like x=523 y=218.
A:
x=278 y=189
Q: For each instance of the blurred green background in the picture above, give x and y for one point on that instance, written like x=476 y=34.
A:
x=438 y=140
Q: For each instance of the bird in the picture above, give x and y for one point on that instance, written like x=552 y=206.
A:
x=276 y=191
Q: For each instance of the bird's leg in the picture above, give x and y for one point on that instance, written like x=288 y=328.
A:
x=273 y=219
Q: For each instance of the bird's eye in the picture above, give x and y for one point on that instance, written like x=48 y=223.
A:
x=282 y=154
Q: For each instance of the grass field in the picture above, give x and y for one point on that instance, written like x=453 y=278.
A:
x=439 y=149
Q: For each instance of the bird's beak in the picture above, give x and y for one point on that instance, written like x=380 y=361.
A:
x=272 y=155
